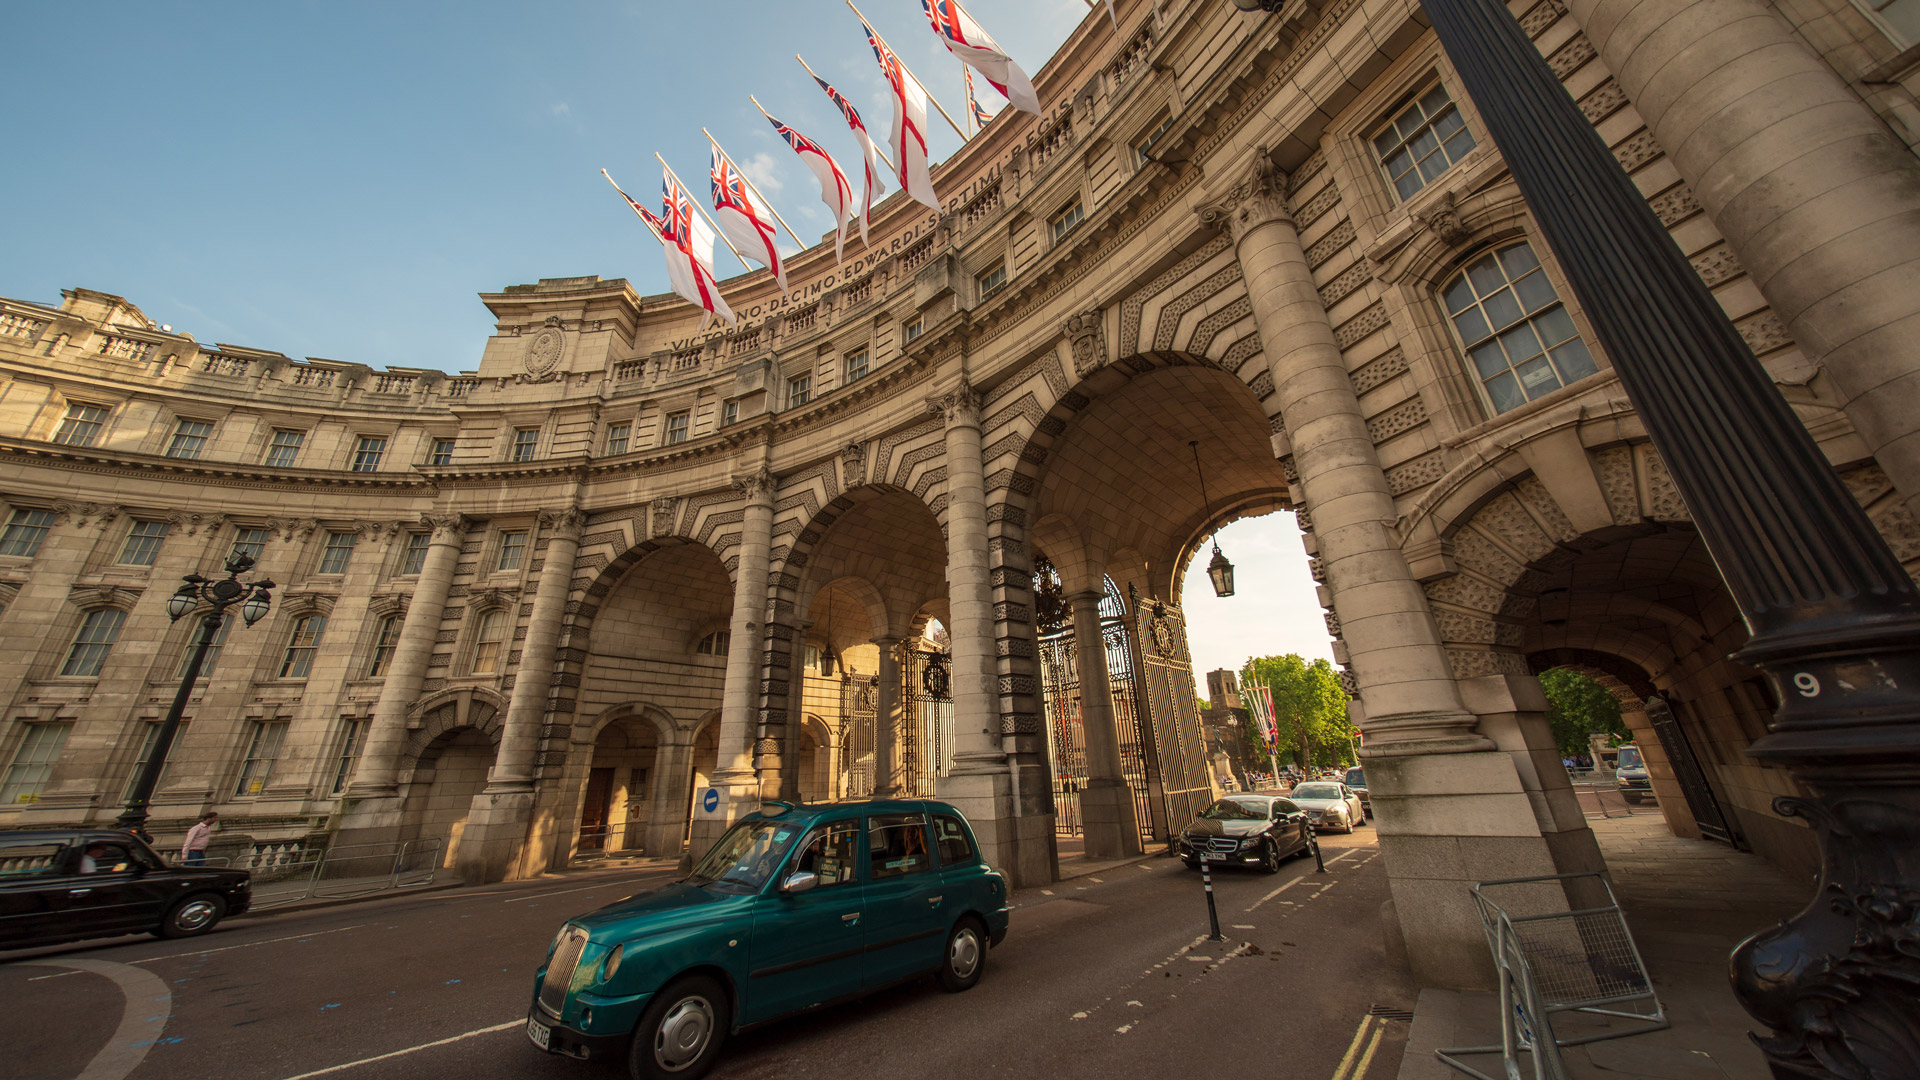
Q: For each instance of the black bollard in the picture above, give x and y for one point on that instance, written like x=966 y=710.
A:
x=1213 y=915
x=1313 y=841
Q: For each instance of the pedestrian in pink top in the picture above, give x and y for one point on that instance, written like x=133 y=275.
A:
x=194 y=851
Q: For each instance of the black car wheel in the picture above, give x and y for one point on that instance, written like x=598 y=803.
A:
x=1270 y=858
x=966 y=956
x=192 y=916
x=681 y=1033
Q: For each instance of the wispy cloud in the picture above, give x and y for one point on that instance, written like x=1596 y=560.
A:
x=761 y=169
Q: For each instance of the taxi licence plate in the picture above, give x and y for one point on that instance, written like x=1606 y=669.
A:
x=1213 y=856
x=540 y=1034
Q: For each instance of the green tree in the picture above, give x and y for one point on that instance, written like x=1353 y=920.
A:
x=1578 y=707
x=1309 y=705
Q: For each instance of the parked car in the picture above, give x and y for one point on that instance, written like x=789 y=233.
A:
x=1245 y=830
x=1356 y=781
x=66 y=884
x=1331 y=805
x=1630 y=772
x=796 y=907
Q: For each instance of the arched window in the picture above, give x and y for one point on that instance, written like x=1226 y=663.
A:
x=487 y=641
x=94 y=641
x=301 y=647
x=1517 y=335
x=384 y=643
x=714 y=644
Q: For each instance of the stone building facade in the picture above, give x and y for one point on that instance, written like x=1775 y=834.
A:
x=626 y=555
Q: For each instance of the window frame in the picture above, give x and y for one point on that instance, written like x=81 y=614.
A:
x=674 y=436
x=252 y=762
x=525 y=445
x=848 y=374
x=516 y=541
x=298 y=655
x=440 y=451
x=1066 y=219
x=185 y=445
x=1142 y=145
x=729 y=413
x=619 y=437
x=799 y=389
x=494 y=659
x=352 y=743
x=278 y=442
x=1411 y=102
x=417 y=544
x=986 y=287
x=68 y=435
x=327 y=563
x=385 y=644
x=12 y=786
x=1497 y=336
x=714 y=643
x=148 y=543
x=368 y=451
x=22 y=522
x=241 y=531
x=96 y=651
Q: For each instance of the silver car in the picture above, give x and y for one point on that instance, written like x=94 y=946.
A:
x=1330 y=804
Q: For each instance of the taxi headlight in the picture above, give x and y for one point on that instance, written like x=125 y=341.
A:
x=612 y=964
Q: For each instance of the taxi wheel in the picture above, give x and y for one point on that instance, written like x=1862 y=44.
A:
x=966 y=956
x=680 y=1035
x=192 y=916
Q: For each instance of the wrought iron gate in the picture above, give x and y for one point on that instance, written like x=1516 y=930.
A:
x=1066 y=729
x=1691 y=777
x=857 y=730
x=925 y=732
x=1178 y=749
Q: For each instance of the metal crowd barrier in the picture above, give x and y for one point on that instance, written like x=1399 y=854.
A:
x=337 y=872
x=1559 y=961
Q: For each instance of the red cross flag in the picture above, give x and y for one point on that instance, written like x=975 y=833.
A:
x=872 y=152
x=747 y=221
x=688 y=241
x=909 y=123
x=977 y=49
x=834 y=189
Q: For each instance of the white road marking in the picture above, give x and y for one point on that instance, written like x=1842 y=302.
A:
x=248 y=945
x=128 y=1045
x=409 y=1050
x=1276 y=892
x=1242 y=926
x=563 y=892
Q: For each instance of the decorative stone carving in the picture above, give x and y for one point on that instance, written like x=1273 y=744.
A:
x=756 y=484
x=83 y=514
x=292 y=528
x=1258 y=198
x=1443 y=217
x=543 y=352
x=1086 y=336
x=665 y=509
x=853 y=465
x=446 y=526
x=492 y=597
x=961 y=405
x=567 y=522
x=376 y=530
x=189 y=523
x=94 y=596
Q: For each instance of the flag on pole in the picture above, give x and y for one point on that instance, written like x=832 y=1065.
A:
x=746 y=220
x=980 y=115
x=909 y=135
x=1261 y=700
x=872 y=152
x=659 y=224
x=977 y=49
x=689 y=245
x=1111 y=15
x=834 y=189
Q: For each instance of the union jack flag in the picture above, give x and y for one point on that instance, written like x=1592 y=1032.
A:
x=834 y=189
x=909 y=136
x=689 y=243
x=747 y=221
x=980 y=115
x=976 y=48
x=870 y=153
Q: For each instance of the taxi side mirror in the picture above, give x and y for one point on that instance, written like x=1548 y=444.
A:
x=799 y=883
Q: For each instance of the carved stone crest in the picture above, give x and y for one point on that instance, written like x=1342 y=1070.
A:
x=1443 y=217
x=664 y=511
x=543 y=352
x=491 y=598
x=1086 y=337
x=376 y=530
x=853 y=465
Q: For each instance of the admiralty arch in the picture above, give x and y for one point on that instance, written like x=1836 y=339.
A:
x=532 y=608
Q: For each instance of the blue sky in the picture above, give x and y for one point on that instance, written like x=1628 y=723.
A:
x=340 y=180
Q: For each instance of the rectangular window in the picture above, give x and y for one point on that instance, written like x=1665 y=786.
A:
x=678 y=425
x=302 y=645
x=1066 y=220
x=213 y=650
x=993 y=280
x=951 y=838
x=1143 y=146
x=811 y=660
x=143 y=543
x=513 y=551
x=897 y=845
x=368 y=452
x=94 y=641
x=729 y=413
x=263 y=749
x=339 y=550
x=442 y=452
x=81 y=426
x=1423 y=141
x=714 y=644
x=414 y=558
x=147 y=743
x=384 y=643
x=617 y=437
x=855 y=366
x=917 y=327
x=189 y=439
x=799 y=390
x=33 y=763
x=285 y=448
x=250 y=542
x=356 y=737
x=25 y=531
x=488 y=640
x=525 y=441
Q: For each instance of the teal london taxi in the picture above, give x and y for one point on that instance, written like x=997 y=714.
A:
x=794 y=908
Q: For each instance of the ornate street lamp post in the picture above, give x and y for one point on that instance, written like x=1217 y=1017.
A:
x=254 y=598
x=1833 y=617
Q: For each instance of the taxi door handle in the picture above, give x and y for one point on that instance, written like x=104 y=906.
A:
x=852 y=919
x=78 y=892
x=935 y=900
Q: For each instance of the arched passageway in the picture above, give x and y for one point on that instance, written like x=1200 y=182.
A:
x=441 y=787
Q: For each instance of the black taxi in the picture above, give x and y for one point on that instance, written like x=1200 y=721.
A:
x=65 y=884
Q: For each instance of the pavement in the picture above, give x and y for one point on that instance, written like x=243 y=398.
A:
x=1107 y=974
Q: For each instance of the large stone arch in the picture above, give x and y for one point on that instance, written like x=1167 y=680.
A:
x=481 y=708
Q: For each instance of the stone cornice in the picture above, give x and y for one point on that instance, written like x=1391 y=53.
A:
x=216 y=473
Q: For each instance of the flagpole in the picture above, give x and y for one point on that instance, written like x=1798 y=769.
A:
x=973 y=124
x=910 y=74
x=816 y=78
x=755 y=188
x=715 y=226
x=629 y=198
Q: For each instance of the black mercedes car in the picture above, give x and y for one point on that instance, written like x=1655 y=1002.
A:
x=65 y=884
x=1245 y=830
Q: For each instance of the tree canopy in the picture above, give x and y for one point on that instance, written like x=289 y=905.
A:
x=1578 y=707
x=1310 y=709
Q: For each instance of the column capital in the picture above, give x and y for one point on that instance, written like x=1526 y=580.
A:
x=1258 y=197
x=959 y=407
x=756 y=484
x=1087 y=596
x=567 y=522
x=447 y=526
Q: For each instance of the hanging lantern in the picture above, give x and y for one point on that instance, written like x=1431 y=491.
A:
x=1221 y=571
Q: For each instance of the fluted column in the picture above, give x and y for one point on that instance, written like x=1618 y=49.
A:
x=1106 y=804
x=533 y=677
x=740 y=695
x=976 y=698
x=1820 y=202
x=379 y=769
x=887 y=717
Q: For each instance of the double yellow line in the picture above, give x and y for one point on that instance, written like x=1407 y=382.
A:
x=1354 y=1066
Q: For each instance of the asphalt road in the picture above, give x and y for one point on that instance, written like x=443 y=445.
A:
x=1103 y=976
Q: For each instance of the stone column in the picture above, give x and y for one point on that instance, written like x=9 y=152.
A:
x=1106 y=805
x=734 y=774
x=1666 y=787
x=1820 y=202
x=1452 y=809
x=887 y=717
x=496 y=843
x=979 y=782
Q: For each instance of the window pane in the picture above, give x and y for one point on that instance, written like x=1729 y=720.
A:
x=1433 y=165
x=1489 y=360
x=832 y=855
x=442 y=452
x=513 y=550
x=1518 y=259
x=286 y=448
x=94 y=641
x=617 y=436
x=1538 y=378
x=1423 y=144
x=143 y=543
x=1486 y=276
x=1448 y=124
x=1574 y=361
x=367 y=453
x=1504 y=392
x=262 y=751
x=1434 y=100
x=384 y=643
x=897 y=845
x=951 y=838
x=1458 y=295
x=338 y=552
x=1502 y=309
x=349 y=753
x=1472 y=324
x=189 y=438
x=1554 y=325
x=1522 y=344
x=414 y=559
x=1535 y=290
x=1384 y=142
x=301 y=647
